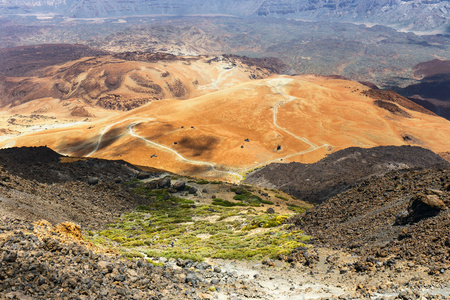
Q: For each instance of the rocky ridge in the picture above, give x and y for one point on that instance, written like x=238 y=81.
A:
x=37 y=183
x=341 y=170
x=401 y=216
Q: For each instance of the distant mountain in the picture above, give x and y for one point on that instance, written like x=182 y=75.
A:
x=411 y=14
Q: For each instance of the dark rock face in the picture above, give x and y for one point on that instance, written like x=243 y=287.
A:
x=421 y=207
x=340 y=170
x=432 y=91
x=401 y=214
x=143 y=175
x=164 y=183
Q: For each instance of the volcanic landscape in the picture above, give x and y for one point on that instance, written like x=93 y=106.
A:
x=144 y=163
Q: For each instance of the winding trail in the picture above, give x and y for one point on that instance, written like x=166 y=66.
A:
x=181 y=157
x=275 y=84
x=288 y=99
x=103 y=132
x=214 y=85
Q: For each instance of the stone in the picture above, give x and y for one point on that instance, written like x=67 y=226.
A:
x=119 y=277
x=269 y=262
x=172 y=190
x=193 y=190
x=239 y=191
x=143 y=175
x=192 y=279
x=92 y=180
x=179 y=186
x=421 y=207
x=164 y=183
x=151 y=185
x=270 y=210
x=10 y=257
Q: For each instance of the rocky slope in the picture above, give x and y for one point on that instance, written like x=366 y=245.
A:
x=341 y=170
x=377 y=252
x=402 y=215
x=37 y=183
x=432 y=87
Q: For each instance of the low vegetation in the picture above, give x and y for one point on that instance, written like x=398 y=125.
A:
x=175 y=227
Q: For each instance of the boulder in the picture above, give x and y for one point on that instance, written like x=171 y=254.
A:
x=143 y=175
x=151 y=185
x=239 y=191
x=421 y=206
x=179 y=186
x=93 y=180
x=164 y=183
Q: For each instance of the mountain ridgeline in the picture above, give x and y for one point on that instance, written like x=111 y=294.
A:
x=413 y=15
x=340 y=170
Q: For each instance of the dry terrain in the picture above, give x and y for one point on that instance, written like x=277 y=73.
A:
x=227 y=129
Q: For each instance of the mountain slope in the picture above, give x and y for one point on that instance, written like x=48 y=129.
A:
x=236 y=129
x=412 y=15
x=340 y=170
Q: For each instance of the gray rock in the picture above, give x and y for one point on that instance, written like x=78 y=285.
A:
x=10 y=257
x=192 y=279
x=239 y=191
x=119 y=277
x=93 y=180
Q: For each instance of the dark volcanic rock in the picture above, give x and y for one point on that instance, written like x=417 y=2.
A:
x=34 y=271
x=164 y=183
x=93 y=180
x=340 y=170
x=143 y=175
x=365 y=218
x=422 y=206
x=38 y=183
x=179 y=186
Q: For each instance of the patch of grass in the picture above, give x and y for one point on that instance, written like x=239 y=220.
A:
x=171 y=227
x=266 y=221
x=202 y=181
x=281 y=197
x=251 y=199
x=297 y=209
x=221 y=202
